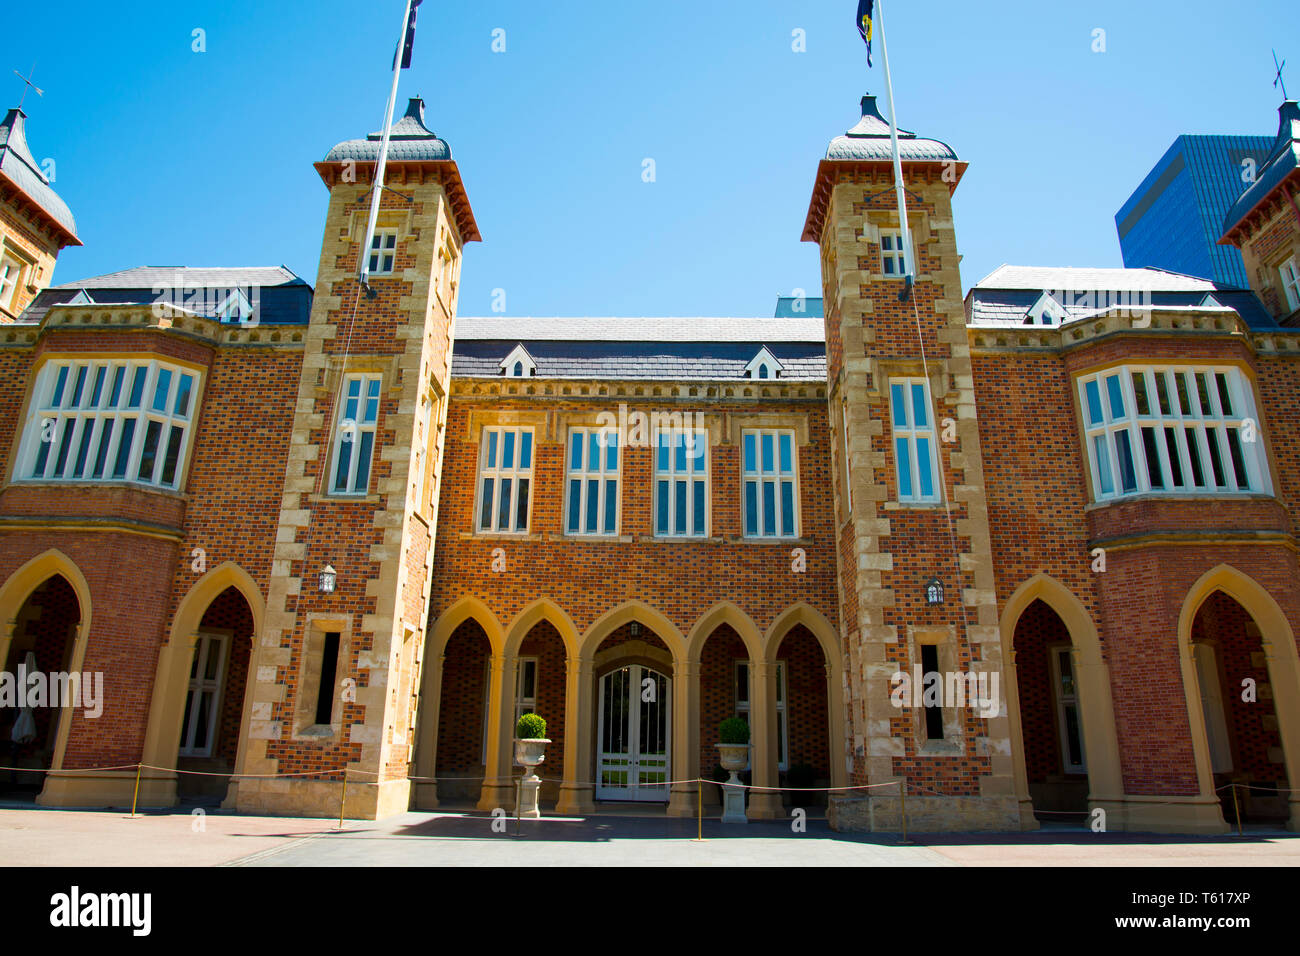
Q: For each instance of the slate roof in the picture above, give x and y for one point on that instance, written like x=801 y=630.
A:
x=870 y=140
x=278 y=295
x=19 y=167
x=1005 y=295
x=692 y=349
x=1283 y=161
x=411 y=140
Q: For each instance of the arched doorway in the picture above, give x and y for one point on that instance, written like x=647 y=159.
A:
x=43 y=642
x=214 y=699
x=1051 y=714
x=802 y=717
x=634 y=716
x=462 y=746
x=727 y=689
x=1237 y=701
x=540 y=687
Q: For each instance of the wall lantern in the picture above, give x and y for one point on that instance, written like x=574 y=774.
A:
x=328 y=578
x=934 y=592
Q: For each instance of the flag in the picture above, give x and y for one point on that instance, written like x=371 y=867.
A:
x=409 y=44
x=864 y=24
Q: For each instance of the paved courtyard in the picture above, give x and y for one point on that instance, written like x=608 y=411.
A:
x=36 y=837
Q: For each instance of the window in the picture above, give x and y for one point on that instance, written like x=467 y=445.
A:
x=593 y=473
x=1216 y=724
x=770 y=497
x=1290 y=284
x=914 y=445
x=329 y=666
x=932 y=702
x=383 y=250
x=109 y=421
x=526 y=688
x=1171 y=431
x=782 y=724
x=844 y=455
x=505 y=480
x=681 y=483
x=354 y=442
x=893 y=262
x=1068 y=720
x=202 y=705
x=764 y=365
x=10 y=270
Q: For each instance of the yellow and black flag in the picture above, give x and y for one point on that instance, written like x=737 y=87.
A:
x=864 y=24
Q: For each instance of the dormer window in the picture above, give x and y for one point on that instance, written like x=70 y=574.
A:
x=81 y=298
x=1046 y=311
x=764 y=366
x=235 y=308
x=518 y=364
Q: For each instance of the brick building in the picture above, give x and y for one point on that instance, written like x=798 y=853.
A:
x=300 y=530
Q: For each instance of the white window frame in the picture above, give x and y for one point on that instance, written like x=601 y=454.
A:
x=893 y=258
x=357 y=421
x=1290 y=276
x=696 y=468
x=1210 y=429
x=198 y=685
x=11 y=274
x=383 y=252
x=79 y=412
x=742 y=681
x=497 y=472
x=585 y=475
x=526 y=704
x=759 y=477
x=1064 y=701
x=912 y=435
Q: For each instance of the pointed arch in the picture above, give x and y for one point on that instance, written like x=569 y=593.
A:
x=15 y=592
x=616 y=617
x=540 y=610
x=171 y=679
x=466 y=607
x=1277 y=640
x=1100 y=740
x=724 y=612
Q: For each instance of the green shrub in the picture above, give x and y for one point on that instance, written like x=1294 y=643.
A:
x=733 y=730
x=530 y=727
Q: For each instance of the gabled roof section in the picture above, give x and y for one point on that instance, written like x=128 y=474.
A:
x=19 y=167
x=518 y=359
x=1045 y=311
x=1282 y=166
x=764 y=359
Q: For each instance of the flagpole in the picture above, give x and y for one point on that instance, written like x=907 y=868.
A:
x=908 y=269
x=378 y=185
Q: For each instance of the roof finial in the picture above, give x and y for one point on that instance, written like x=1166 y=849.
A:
x=1277 y=80
x=30 y=85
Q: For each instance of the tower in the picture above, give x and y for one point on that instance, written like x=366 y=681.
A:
x=336 y=666
x=35 y=224
x=916 y=583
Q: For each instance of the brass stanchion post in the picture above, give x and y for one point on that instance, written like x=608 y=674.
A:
x=1236 y=809
x=902 y=794
x=343 y=796
x=135 y=797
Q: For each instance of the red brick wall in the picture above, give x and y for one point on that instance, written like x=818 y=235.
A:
x=806 y=704
x=718 y=689
x=46 y=625
x=1038 y=629
x=544 y=643
x=464 y=694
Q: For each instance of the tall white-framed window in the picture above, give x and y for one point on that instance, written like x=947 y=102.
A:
x=1290 y=274
x=769 y=476
x=109 y=421
x=505 y=480
x=203 y=703
x=914 y=441
x=383 y=252
x=742 y=696
x=682 y=483
x=526 y=687
x=1069 y=720
x=592 y=498
x=893 y=258
x=354 y=435
x=10 y=272
x=1171 y=430
x=1216 y=722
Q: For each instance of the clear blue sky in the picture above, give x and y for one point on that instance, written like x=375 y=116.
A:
x=171 y=157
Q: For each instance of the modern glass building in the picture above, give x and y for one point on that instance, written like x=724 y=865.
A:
x=1173 y=219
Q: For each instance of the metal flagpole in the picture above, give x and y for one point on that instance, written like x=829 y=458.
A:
x=378 y=185
x=908 y=268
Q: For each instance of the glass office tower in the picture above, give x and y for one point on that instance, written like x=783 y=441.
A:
x=1173 y=220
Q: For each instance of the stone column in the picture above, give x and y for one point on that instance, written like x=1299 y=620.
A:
x=496 y=785
x=763 y=804
x=686 y=738
x=426 y=747
x=577 y=789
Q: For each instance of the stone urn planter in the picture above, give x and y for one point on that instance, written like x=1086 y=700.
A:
x=733 y=754
x=530 y=752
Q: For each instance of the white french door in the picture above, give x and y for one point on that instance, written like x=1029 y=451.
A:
x=633 y=736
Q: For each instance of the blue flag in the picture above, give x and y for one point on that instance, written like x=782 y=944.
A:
x=864 y=24
x=408 y=44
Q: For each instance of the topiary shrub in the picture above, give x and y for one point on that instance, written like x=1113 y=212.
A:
x=733 y=730
x=530 y=727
